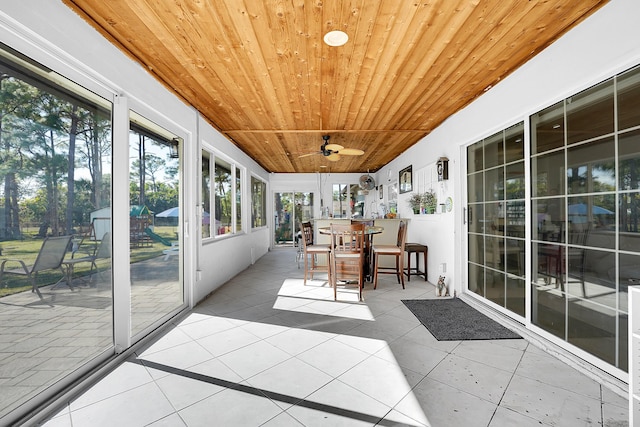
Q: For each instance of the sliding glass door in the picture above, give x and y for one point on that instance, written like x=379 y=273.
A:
x=290 y=209
x=155 y=226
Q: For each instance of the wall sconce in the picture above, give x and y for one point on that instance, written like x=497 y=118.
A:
x=443 y=168
x=175 y=148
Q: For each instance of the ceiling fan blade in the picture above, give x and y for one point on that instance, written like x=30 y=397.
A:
x=333 y=157
x=309 y=154
x=333 y=147
x=351 y=152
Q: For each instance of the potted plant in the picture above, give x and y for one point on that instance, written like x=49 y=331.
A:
x=415 y=201
x=429 y=201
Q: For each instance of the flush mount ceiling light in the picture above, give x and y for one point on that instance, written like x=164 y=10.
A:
x=336 y=38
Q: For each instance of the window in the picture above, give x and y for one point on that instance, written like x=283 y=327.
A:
x=221 y=197
x=348 y=201
x=258 y=203
x=206 y=195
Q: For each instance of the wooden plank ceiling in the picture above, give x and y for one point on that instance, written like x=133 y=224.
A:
x=260 y=73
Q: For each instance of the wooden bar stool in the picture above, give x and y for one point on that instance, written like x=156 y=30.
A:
x=416 y=248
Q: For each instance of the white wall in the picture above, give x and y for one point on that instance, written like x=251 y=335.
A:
x=52 y=34
x=603 y=45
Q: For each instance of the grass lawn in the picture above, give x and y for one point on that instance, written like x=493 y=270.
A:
x=27 y=251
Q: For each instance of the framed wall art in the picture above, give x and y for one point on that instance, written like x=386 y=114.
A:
x=406 y=180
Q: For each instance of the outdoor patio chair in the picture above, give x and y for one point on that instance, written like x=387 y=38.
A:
x=50 y=257
x=103 y=251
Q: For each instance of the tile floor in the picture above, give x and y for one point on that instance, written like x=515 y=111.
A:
x=264 y=350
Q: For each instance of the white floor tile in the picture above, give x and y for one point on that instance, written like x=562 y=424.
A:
x=472 y=377
x=296 y=341
x=137 y=407
x=230 y=408
x=183 y=392
x=333 y=357
x=122 y=379
x=253 y=359
x=293 y=379
x=378 y=378
x=550 y=404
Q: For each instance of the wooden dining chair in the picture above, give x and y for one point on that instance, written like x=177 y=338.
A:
x=397 y=251
x=311 y=251
x=347 y=258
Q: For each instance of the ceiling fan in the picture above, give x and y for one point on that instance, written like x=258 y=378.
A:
x=333 y=151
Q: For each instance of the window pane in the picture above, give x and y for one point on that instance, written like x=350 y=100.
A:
x=340 y=200
x=629 y=160
x=630 y=222
x=515 y=219
x=590 y=113
x=304 y=207
x=475 y=217
x=592 y=328
x=494 y=221
x=206 y=195
x=495 y=287
x=238 y=191
x=258 y=203
x=476 y=279
x=494 y=150
x=476 y=248
x=514 y=143
x=548 y=174
x=515 y=298
x=493 y=253
x=592 y=275
x=223 y=200
x=595 y=213
x=475 y=187
x=548 y=129
x=514 y=256
x=548 y=311
x=475 y=162
x=515 y=181
x=548 y=219
x=629 y=99
x=591 y=167
x=494 y=184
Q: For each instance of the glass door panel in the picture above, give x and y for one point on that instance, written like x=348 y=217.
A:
x=55 y=218
x=496 y=219
x=154 y=240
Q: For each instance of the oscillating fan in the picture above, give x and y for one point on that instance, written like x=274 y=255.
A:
x=367 y=183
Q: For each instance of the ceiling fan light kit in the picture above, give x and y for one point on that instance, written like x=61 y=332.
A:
x=333 y=152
